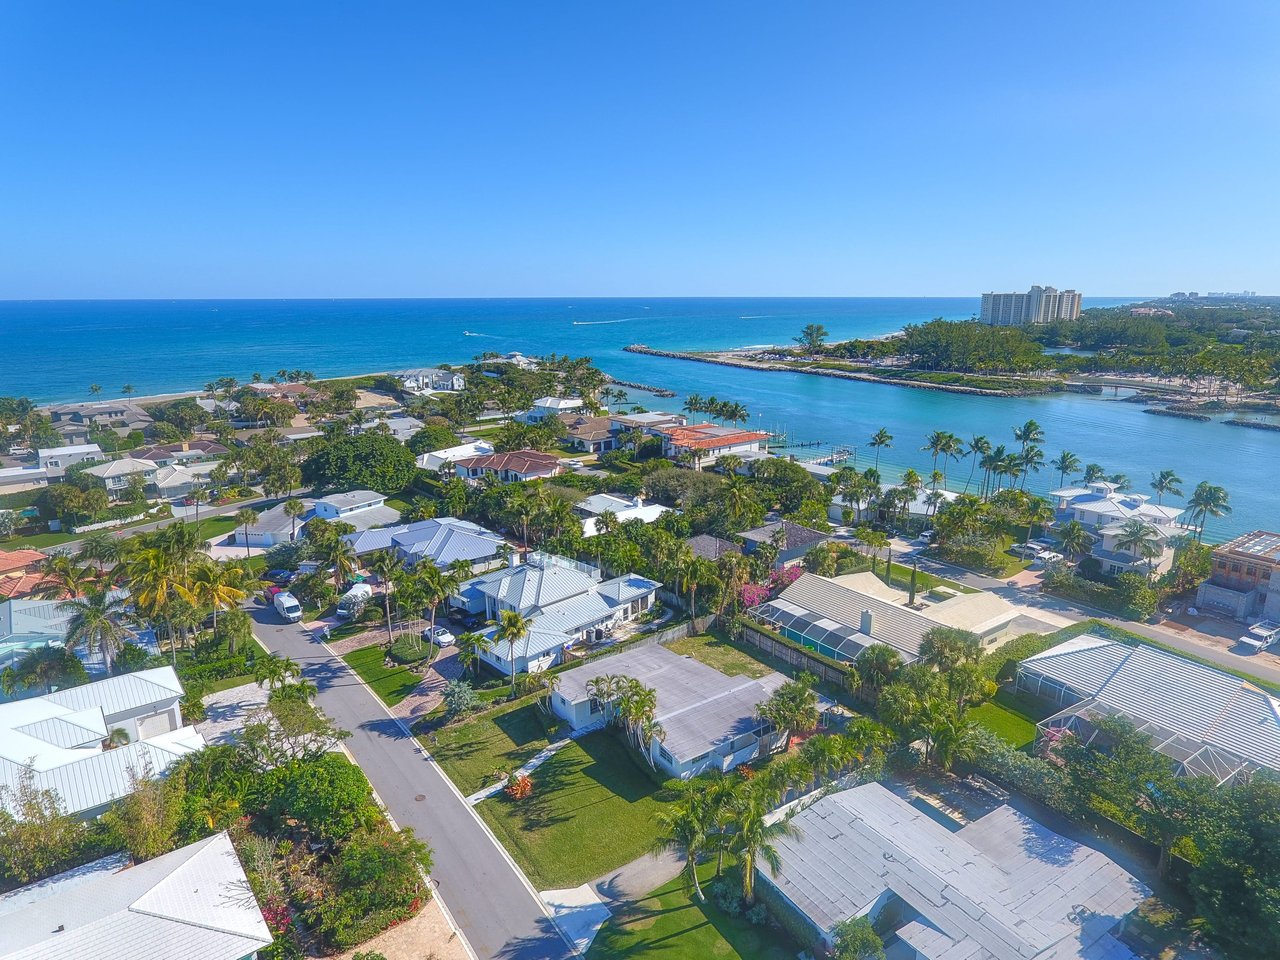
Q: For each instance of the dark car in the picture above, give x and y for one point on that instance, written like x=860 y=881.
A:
x=280 y=577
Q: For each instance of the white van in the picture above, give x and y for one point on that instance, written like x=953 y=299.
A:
x=353 y=601
x=287 y=606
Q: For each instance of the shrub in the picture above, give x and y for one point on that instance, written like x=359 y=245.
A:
x=329 y=797
x=373 y=882
x=1002 y=663
x=130 y=658
x=519 y=787
x=373 y=460
x=460 y=699
x=408 y=648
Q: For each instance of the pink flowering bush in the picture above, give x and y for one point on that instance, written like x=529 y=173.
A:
x=784 y=577
x=753 y=594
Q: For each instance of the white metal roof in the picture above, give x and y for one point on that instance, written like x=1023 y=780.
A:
x=1169 y=692
x=192 y=904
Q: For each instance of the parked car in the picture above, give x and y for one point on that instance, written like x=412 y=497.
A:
x=924 y=539
x=281 y=577
x=354 y=600
x=1048 y=557
x=1028 y=551
x=287 y=606
x=443 y=637
x=574 y=463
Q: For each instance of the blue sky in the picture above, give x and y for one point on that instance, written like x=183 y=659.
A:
x=563 y=148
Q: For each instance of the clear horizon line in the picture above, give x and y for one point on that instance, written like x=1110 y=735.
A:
x=741 y=296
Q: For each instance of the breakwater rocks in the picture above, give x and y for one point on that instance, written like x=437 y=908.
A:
x=656 y=391
x=1179 y=414
x=1255 y=424
x=773 y=367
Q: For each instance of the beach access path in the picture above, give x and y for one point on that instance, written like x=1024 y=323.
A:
x=488 y=897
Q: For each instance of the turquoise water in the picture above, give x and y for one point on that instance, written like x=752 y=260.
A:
x=55 y=349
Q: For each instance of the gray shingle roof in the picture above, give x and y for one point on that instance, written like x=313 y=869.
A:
x=1003 y=888
x=698 y=706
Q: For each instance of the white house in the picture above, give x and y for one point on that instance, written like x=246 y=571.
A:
x=430 y=380
x=401 y=427
x=115 y=474
x=1100 y=503
x=705 y=443
x=622 y=509
x=63 y=738
x=192 y=902
x=437 y=460
x=545 y=407
x=55 y=460
x=363 y=509
x=441 y=541
x=709 y=720
x=568 y=603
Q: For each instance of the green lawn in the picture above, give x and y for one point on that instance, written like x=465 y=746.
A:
x=592 y=810
x=1012 y=727
x=216 y=526
x=392 y=685
x=669 y=924
x=724 y=654
x=503 y=740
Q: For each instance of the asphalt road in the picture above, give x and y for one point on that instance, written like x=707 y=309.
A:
x=500 y=916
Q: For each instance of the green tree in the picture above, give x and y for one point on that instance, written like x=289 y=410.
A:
x=97 y=622
x=812 y=337
x=147 y=818
x=949 y=647
x=1207 y=500
x=685 y=826
x=856 y=939
x=1166 y=481
x=792 y=708
x=36 y=834
x=329 y=797
x=754 y=838
x=880 y=439
x=512 y=627
x=373 y=461
x=245 y=518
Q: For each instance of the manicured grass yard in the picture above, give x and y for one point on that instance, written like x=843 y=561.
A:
x=504 y=740
x=669 y=924
x=592 y=810
x=1011 y=727
x=392 y=685
x=720 y=652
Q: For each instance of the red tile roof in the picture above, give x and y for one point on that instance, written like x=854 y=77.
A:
x=517 y=461
x=708 y=436
x=19 y=559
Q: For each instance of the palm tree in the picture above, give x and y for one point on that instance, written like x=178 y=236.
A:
x=1142 y=540
x=340 y=555
x=210 y=584
x=127 y=389
x=513 y=626
x=1066 y=462
x=43 y=667
x=387 y=567
x=95 y=389
x=877 y=664
x=97 y=621
x=470 y=646
x=1076 y=540
x=1038 y=513
x=881 y=438
x=1030 y=461
x=274 y=671
x=979 y=446
x=685 y=826
x=1208 y=500
x=951 y=737
x=245 y=518
x=101 y=548
x=61 y=577
x=694 y=571
x=1166 y=481
x=293 y=509
x=1028 y=434
x=948 y=647
x=754 y=837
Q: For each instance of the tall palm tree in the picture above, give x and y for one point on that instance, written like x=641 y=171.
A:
x=754 y=838
x=877 y=665
x=213 y=585
x=1028 y=434
x=881 y=438
x=685 y=826
x=340 y=555
x=293 y=509
x=1030 y=461
x=245 y=518
x=1166 y=481
x=387 y=566
x=1066 y=462
x=979 y=447
x=43 y=667
x=513 y=626
x=1208 y=500
x=181 y=542
x=97 y=622
x=470 y=646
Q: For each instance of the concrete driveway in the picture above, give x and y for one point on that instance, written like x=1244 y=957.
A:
x=491 y=901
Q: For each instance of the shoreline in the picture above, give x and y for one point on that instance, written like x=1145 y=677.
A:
x=768 y=367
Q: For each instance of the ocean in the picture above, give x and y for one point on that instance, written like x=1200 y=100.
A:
x=56 y=349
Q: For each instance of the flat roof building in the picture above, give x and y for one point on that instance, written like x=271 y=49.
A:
x=1037 y=305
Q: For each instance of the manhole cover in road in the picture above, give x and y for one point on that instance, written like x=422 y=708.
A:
x=420 y=797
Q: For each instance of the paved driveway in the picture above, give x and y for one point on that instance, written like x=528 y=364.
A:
x=500 y=915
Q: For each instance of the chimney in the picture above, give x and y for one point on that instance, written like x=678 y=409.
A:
x=513 y=560
x=639 y=499
x=865 y=625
